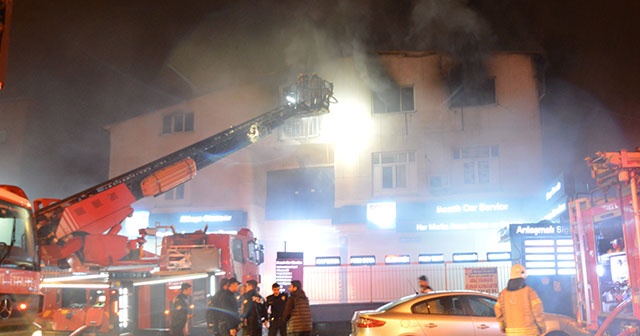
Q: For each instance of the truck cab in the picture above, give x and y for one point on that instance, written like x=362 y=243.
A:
x=20 y=297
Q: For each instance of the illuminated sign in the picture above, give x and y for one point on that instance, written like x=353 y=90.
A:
x=562 y=207
x=433 y=258
x=231 y=220
x=549 y=256
x=396 y=259
x=382 y=214
x=465 y=257
x=554 y=190
x=362 y=260
x=539 y=230
x=472 y=208
x=289 y=267
x=328 y=261
x=458 y=226
x=498 y=256
x=205 y=218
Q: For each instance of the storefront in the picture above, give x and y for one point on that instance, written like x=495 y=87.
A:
x=439 y=216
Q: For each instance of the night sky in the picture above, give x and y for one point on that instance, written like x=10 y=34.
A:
x=87 y=64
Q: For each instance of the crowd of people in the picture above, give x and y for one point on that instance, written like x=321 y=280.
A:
x=239 y=309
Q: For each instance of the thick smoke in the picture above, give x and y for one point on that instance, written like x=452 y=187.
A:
x=455 y=29
x=254 y=39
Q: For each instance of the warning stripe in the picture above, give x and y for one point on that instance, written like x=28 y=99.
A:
x=67 y=225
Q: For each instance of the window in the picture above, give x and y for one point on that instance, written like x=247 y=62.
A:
x=482 y=306
x=256 y=254
x=176 y=193
x=465 y=93
x=17 y=245
x=393 y=170
x=237 y=250
x=447 y=305
x=74 y=298
x=476 y=152
x=251 y=251
x=178 y=121
x=397 y=99
x=477 y=163
x=298 y=194
x=301 y=128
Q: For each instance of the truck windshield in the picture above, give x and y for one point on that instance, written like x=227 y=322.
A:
x=17 y=241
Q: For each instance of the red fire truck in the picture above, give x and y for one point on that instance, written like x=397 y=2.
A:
x=129 y=289
x=20 y=297
x=140 y=302
x=606 y=233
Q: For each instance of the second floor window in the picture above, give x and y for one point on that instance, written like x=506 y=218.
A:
x=397 y=99
x=393 y=171
x=479 y=164
x=178 y=121
x=464 y=95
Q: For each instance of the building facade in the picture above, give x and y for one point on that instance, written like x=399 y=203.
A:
x=417 y=163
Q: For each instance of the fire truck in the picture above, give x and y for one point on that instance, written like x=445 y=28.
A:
x=110 y=284
x=139 y=302
x=605 y=226
x=20 y=297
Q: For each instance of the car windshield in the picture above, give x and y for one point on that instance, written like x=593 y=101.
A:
x=17 y=245
x=394 y=304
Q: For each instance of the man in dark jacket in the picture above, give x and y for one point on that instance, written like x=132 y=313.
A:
x=180 y=310
x=252 y=310
x=228 y=308
x=213 y=311
x=297 y=312
x=276 y=303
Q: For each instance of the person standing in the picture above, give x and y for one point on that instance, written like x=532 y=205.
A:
x=423 y=282
x=228 y=310
x=519 y=309
x=180 y=310
x=252 y=310
x=297 y=312
x=213 y=311
x=276 y=303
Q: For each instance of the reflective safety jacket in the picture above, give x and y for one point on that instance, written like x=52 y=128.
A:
x=519 y=310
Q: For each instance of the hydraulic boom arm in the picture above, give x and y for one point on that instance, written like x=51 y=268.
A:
x=76 y=226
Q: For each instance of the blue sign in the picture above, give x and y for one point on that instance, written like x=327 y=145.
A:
x=191 y=221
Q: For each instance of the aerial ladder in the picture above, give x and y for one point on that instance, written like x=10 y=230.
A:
x=81 y=231
x=606 y=233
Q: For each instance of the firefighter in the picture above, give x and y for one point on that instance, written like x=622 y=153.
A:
x=276 y=303
x=180 y=310
x=253 y=312
x=213 y=311
x=519 y=309
x=228 y=308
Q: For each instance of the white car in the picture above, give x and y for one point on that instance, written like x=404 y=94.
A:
x=459 y=313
